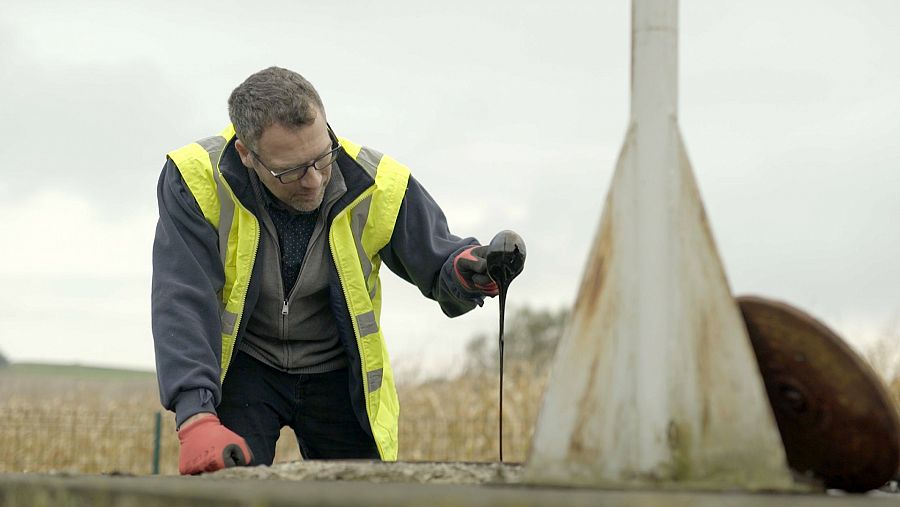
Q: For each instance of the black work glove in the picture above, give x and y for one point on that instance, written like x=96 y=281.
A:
x=481 y=268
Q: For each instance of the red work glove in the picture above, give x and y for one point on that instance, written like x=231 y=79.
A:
x=471 y=271
x=207 y=446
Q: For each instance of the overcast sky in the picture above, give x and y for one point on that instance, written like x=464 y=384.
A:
x=511 y=113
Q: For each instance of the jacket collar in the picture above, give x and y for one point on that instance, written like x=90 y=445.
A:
x=347 y=186
x=333 y=191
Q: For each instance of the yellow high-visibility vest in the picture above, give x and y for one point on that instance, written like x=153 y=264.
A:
x=356 y=235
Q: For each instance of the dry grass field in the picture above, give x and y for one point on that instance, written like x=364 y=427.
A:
x=86 y=423
x=94 y=421
x=69 y=421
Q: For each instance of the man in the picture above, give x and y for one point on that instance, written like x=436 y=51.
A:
x=266 y=297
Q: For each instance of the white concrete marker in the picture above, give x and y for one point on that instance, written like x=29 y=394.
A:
x=654 y=383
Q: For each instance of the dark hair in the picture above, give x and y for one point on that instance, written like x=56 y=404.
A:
x=271 y=96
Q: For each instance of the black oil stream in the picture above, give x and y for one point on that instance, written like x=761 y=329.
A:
x=504 y=263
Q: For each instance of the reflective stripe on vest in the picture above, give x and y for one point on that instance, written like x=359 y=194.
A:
x=357 y=234
x=237 y=228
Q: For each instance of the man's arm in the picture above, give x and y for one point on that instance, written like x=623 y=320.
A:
x=187 y=274
x=422 y=249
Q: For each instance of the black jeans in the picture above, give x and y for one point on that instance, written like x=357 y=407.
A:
x=257 y=401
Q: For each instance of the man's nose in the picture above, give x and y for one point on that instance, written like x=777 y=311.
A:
x=312 y=178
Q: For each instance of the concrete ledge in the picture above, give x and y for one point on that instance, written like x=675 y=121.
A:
x=104 y=491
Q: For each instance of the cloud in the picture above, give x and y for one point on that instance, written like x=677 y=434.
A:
x=510 y=114
x=58 y=235
x=76 y=282
x=96 y=129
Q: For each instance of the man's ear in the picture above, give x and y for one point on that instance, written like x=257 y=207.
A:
x=244 y=153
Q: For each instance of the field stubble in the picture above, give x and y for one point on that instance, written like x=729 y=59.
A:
x=106 y=425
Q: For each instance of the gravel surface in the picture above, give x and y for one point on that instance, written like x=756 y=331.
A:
x=377 y=471
x=415 y=472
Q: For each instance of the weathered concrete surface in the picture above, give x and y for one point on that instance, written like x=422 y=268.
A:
x=377 y=471
x=481 y=487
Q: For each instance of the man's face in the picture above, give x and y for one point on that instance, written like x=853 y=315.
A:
x=281 y=148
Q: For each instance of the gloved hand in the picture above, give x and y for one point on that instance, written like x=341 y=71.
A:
x=471 y=271
x=207 y=446
x=480 y=268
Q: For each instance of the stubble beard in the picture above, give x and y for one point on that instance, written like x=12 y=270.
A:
x=305 y=204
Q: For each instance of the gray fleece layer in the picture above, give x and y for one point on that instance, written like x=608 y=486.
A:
x=295 y=333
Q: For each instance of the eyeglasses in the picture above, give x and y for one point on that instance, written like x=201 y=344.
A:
x=296 y=173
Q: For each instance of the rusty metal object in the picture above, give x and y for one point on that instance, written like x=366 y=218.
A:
x=836 y=419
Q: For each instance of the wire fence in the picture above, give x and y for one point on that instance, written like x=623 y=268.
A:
x=87 y=423
x=81 y=441
x=42 y=439
x=108 y=424
x=117 y=427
